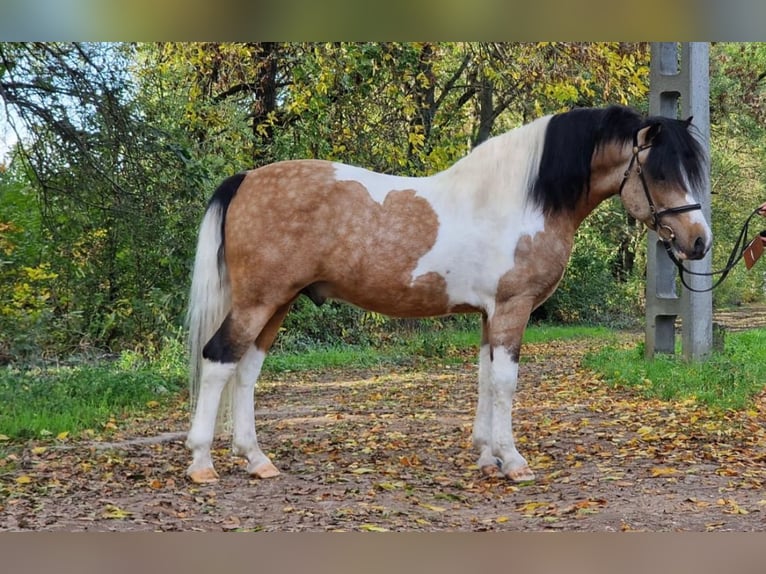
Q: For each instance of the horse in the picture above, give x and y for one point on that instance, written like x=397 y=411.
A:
x=492 y=235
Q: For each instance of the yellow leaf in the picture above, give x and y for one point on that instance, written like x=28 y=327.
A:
x=531 y=506
x=433 y=507
x=658 y=471
x=24 y=479
x=372 y=528
x=115 y=512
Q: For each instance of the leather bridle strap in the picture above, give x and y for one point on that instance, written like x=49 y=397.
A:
x=656 y=215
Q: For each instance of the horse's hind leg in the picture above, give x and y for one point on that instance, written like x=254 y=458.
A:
x=245 y=441
x=221 y=355
x=214 y=377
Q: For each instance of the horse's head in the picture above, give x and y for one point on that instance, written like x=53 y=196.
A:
x=665 y=168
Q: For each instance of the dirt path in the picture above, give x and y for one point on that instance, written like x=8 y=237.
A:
x=390 y=449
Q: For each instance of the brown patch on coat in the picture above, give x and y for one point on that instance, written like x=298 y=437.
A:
x=291 y=226
x=539 y=264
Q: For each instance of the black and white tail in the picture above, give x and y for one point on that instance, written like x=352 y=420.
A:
x=210 y=297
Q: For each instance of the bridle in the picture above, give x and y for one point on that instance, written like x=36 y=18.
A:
x=656 y=215
x=737 y=251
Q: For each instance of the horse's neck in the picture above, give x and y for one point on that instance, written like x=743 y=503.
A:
x=504 y=165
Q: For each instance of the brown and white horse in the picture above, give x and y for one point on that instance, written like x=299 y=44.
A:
x=492 y=235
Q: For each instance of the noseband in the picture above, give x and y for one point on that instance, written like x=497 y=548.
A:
x=656 y=215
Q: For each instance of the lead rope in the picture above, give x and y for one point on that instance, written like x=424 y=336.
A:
x=737 y=252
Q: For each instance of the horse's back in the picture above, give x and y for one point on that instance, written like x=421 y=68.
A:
x=347 y=232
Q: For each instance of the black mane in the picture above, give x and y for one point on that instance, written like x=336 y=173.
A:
x=571 y=138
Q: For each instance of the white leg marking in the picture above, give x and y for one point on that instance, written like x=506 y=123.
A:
x=482 y=426
x=504 y=376
x=245 y=441
x=213 y=380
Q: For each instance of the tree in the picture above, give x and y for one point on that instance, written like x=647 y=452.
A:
x=123 y=144
x=105 y=179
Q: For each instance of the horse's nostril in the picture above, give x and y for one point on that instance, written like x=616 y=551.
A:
x=699 y=248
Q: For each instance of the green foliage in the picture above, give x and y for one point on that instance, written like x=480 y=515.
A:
x=26 y=280
x=727 y=380
x=738 y=146
x=122 y=145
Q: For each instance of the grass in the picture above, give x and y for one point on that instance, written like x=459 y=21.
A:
x=726 y=380
x=445 y=345
x=43 y=402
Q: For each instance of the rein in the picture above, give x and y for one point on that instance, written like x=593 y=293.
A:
x=737 y=252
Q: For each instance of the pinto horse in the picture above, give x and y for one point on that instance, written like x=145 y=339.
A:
x=492 y=234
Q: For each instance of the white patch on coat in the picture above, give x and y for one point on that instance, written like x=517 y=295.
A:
x=378 y=185
x=483 y=210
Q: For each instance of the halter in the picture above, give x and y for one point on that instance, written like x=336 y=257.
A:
x=656 y=215
x=737 y=251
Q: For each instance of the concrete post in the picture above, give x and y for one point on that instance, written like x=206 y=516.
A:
x=679 y=88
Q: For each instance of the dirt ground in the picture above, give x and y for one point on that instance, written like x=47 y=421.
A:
x=389 y=448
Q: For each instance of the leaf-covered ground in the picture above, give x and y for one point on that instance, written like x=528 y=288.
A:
x=390 y=449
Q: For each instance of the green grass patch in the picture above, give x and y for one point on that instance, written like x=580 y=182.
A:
x=544 y=333
x=42 y=402
x=448 y=345
x=726 y=380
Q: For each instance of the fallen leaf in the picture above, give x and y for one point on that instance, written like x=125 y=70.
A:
x=115 y=512
x=659 y=471
x=372 y=528
x=433 y=507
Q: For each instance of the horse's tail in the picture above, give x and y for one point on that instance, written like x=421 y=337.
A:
x=210 y=296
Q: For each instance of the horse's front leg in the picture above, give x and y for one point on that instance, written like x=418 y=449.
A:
x=482 y=426
x=498 y=376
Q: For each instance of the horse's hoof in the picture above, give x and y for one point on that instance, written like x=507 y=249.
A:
x=265 y=470
x=490 y=470
x=203 y=475
x=523 y=474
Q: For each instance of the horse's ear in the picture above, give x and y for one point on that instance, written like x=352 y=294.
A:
x=646 y=135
